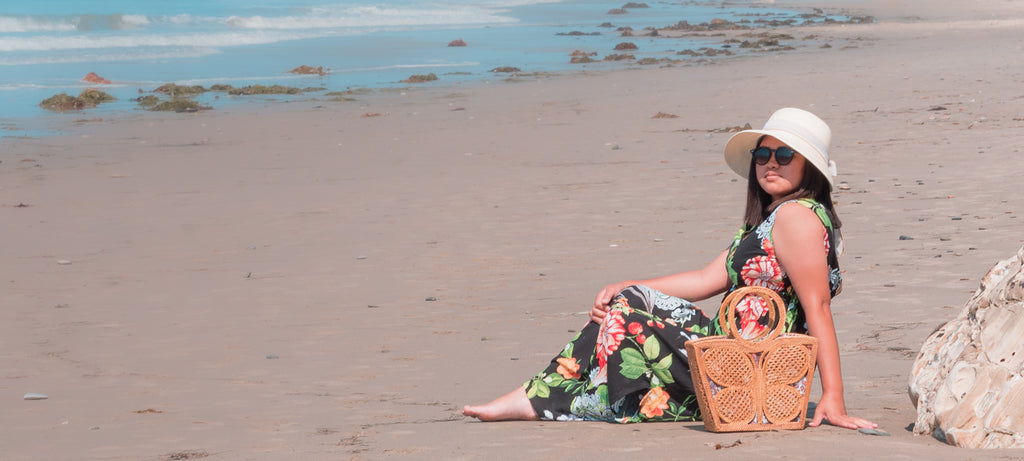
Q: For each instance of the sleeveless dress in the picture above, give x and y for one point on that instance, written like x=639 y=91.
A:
x=633 y=366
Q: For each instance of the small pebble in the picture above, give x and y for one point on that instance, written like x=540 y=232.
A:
x=35 y=396
x=957 y=218
x=94 y=428
x=371 y=306
x=431 y=299
x=272 y=356
x=360 y=257
x=906 y=237
x=63 y=262
x=867 y=431
x=844 y=186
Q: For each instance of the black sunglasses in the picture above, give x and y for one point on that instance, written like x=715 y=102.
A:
x=783 y=155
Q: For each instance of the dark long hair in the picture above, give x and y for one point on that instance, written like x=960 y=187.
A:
x=813 y=185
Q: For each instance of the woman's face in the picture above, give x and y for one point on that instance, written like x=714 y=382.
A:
x=779 y=180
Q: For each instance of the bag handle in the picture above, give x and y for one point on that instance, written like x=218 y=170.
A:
x=776 y=311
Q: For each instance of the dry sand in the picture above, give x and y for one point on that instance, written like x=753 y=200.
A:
x=304 y=281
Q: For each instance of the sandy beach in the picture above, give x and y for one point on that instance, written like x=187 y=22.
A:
x=334 y=280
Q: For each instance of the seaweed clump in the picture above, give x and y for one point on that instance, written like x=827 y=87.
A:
x=85 y=100
x=420 y=78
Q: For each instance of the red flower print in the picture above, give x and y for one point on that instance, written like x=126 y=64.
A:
x=827 y=244
x=641 y=339
x=612 y=332
x=750 y=310
x=763 y=271
x=635 y=328
x=622 y=301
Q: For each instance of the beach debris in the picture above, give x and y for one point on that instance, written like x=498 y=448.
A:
x=728 y=129
x=867 y=431
x=22 y=205
x=35 y=396
x=430 y=298
x=272 y=357
x=64 y=262
x=626 y=46
x=843 y=186
x=372 y=114
x=906 y=237
x=420 y=78
x=968 y=380
x=719 y=445
x=505 y=69
x=665 y=115
x=147 y=411
x=188 y=454
x=91 y=77
x=457 y=42
x=309 y=70
x=87 y=99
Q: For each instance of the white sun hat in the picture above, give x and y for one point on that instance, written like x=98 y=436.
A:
x=801 y=130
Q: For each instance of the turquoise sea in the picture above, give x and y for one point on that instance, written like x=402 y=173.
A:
x=48 y=46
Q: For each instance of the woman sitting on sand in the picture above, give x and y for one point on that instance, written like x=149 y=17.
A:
x=629 y=364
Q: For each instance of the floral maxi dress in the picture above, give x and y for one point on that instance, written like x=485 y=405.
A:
x=633 y=366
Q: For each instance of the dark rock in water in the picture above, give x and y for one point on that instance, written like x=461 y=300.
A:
x=635 y=5
x=308 y=70
x=179 y=105
x=626 y=46
x=87 y=99
x=263 y=89
x=505 y=69
x=419 y=78
x=148 y=101
x=620 y=57
x=174 y=90
x=618 y=11
x=457 y=42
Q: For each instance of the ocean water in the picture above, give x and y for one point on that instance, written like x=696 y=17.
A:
x=47 y=46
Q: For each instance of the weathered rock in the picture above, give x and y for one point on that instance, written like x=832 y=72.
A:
x=91 y=77
x=968 y=383
x=457 y=42
x=309 y=70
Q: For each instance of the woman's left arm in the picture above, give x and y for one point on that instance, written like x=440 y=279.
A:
x=799 y=240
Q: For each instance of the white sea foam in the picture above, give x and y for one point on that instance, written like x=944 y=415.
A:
x=85 y=42
x=372 y=16
x=15 y=24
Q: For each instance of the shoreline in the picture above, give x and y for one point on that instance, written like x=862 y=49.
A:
x=758 y=37
x=287 y=281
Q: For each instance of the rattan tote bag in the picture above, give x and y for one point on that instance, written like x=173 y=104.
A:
x=756 y=384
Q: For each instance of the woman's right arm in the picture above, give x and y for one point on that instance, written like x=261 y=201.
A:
x=691 y=285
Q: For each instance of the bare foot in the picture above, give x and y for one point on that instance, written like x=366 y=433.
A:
x=513 y=406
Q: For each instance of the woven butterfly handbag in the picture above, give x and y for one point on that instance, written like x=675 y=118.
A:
x=756 y=384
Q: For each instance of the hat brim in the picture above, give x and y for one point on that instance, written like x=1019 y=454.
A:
x=737 y=151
